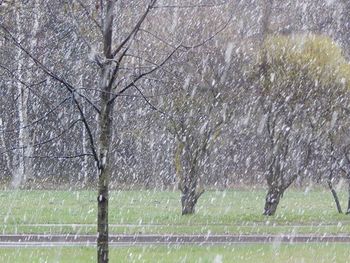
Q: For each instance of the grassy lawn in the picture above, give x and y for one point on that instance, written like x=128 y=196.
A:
x=338 y=253
x=159 y=212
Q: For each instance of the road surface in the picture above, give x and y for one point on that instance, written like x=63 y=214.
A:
x=37 y=240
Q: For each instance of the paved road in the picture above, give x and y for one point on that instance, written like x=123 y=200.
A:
x=141 y=239
x=183 y=225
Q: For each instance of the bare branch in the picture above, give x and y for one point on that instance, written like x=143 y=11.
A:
x=90 y=135
x=60 y=157
x=68 y=86
x=87 y=12
x=143 y=75
x=157 y=37
x=148 y=102
x=28 y=86
x=135 y=29
x=43 y=142
x=37 y=120
x=193 y=5
x=220 y=30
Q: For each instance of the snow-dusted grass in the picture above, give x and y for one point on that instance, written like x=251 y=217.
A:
x=159 y=212
x=238 y=253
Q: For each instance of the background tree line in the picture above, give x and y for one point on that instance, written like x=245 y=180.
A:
x=167 y=94
x=148 y=140
x=218 y=94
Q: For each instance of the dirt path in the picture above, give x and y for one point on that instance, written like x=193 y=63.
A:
x=26 y=240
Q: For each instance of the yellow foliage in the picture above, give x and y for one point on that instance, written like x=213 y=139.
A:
x=178 y=162
x=317 y=55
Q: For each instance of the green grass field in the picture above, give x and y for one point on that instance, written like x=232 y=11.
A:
x=159 y=212
x=328 y=253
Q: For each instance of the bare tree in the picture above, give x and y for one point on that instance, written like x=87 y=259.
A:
x=125 y=49
x=291 y=84
x=204 y=103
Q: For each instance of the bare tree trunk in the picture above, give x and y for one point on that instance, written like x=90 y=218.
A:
x=105 y=128
x=104 y=175
x=19 y=174
x=190 y=192
x=335 y=196
x=3 y=145
x=272 y=200
x=188 y=200
x=30 y=138
x=102 y=221
x=348 y=211
x=83 y=176
x=331 y=177
x=105 y=124
x=274 y=193
x=25 y=165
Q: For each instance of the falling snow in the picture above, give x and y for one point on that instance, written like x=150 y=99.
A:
x=160 y=109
